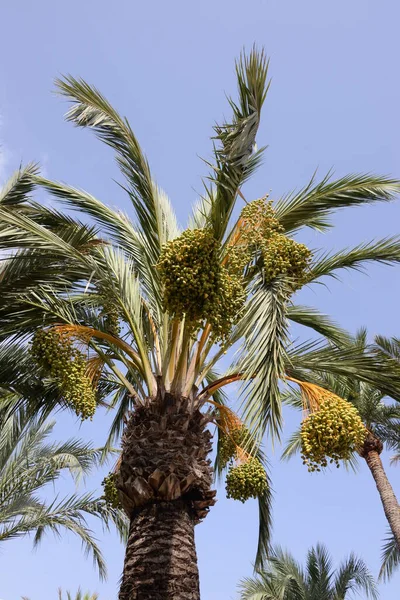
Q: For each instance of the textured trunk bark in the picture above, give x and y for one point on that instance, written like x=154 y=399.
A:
x=160 y=560
x=371 y=454
x=164 y=482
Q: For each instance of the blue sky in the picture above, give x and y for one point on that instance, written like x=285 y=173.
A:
x=333 y=104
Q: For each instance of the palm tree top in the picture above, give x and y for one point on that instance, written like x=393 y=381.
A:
x=283 y=578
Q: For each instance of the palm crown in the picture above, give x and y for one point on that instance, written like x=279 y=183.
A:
x=285 y=579
x=151 y=310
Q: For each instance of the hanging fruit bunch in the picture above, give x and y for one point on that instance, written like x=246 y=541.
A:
x=234 y=437
x=246 y=477
x=331 y=433
x=205 y=282
x=111 y=494
x=262 y=232
x=196 y=285
x=55 y=353
x=246 y=480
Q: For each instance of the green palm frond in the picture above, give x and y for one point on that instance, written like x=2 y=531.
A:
x=35 y=235
x=90 y=109
x=265 y=503
x=385 y=251
x=389 y=347
x=318 y=567
x=262 y=359
x=292 y=446
x=348 y=362
x=17 y=189
x=78 y=596
x=283 y=578
x=352 y=576
x=312 y=206
x=390 y=557
x=235 y=156
x=320 y=323
x=27 y=464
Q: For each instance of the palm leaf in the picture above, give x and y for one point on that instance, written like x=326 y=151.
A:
x=235 y=157
x=90 y=109
x=312 y=206
x=262 y=358
x=320 y=323
x=390 y=557
x=19 y=186
x=386 y=251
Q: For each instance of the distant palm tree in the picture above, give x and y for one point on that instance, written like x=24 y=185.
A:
x=382 y=421
x=78 y=596
x=27 y=464
x=284 y=578
x=178 y=319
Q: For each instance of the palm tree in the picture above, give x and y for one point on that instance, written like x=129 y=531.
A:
x=78 y=596
x=153 y=310
x=381 y=419
x=285 y=579
x=27 y=464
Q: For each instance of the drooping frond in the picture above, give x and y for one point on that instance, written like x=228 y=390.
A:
x=264 y=525
x=390 y=557
x=90 y=109
x=312 y=206
x=262 y=358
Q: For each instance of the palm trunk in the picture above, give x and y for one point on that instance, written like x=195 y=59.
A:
x=165 y=488
x=160 y=559
x=371 y=453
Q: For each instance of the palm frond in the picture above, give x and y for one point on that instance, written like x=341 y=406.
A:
x=236 y=158
x=312 y=205
x=354 y=575
x=262 y=357
x=292 y=446
x=390 y=557
x=312 y=359
x=264 y=525
x=90 y=109
x=17 y=189
x=389 y=347
x=386 y=251
x=27 y=464
x=320 y=323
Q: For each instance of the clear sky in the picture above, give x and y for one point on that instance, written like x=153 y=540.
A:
x=334 y=102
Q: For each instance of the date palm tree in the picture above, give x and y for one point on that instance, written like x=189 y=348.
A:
x=381 y=418
x=285 y=579
x=177 y=319
x=28 y=462
x=78 y=596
